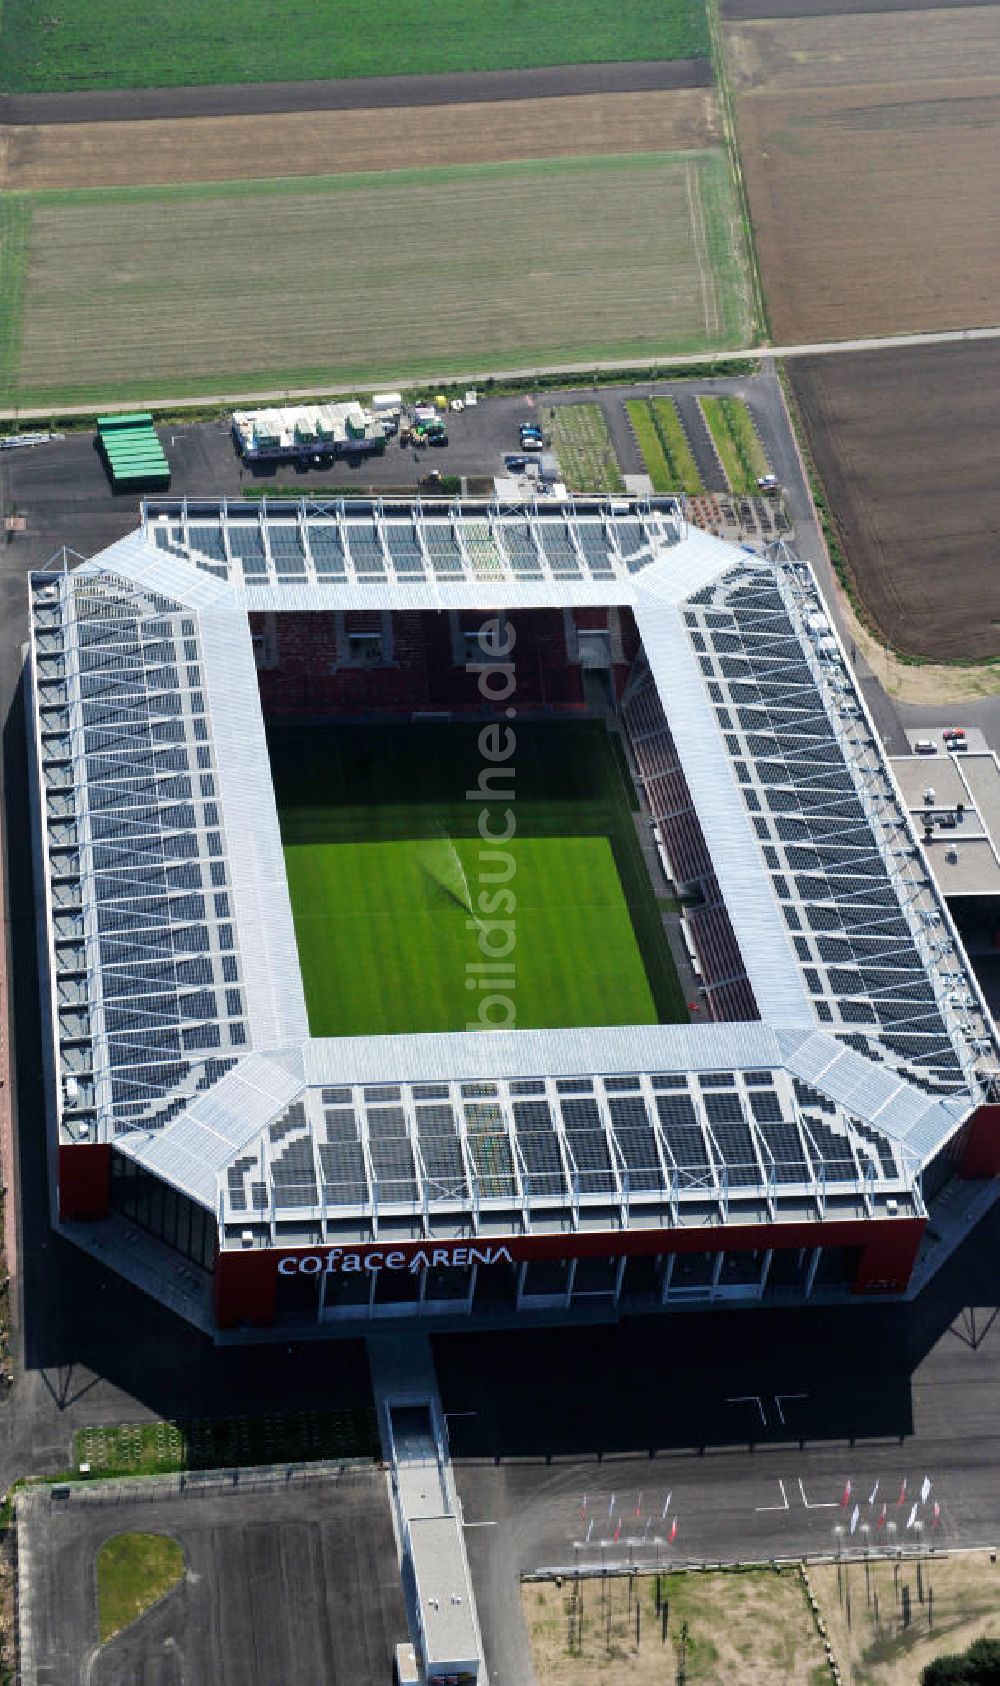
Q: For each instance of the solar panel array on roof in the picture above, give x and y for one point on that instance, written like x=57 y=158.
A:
x=857 y=948
x=608 y=1145
x=384 y=542
x=154 y=909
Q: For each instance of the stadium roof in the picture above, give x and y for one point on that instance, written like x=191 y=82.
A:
x=178 y=1006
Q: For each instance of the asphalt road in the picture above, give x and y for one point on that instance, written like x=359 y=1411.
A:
x=293 y=1586
x=607 y=368
x=554 y=1431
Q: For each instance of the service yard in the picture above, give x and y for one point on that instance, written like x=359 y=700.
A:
x=130 y=292
x=905 y=445
x=871 y=154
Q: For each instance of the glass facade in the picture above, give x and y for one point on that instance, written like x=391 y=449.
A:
x=174 y=1219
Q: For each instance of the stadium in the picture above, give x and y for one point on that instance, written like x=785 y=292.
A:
x=468 y=913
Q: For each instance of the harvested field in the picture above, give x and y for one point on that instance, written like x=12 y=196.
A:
x=170 y=43
x=69 y=155
x=870 y=159
x=739 y=10
x=905 y=444
x=788 y=55
x=296 y=283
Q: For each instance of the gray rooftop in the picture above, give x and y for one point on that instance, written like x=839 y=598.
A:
x=954 y=803
x=179 y=1010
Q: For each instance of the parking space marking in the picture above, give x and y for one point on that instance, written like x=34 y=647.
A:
x=749 y=1399
x=780 y=1396
x=817 y=1504
x=784 y=1505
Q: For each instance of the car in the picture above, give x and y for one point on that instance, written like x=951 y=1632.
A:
x=532 y=442
x=532 y=428
x=515 y=464
x=954 y=734
x=924 y=746
x=457 y=405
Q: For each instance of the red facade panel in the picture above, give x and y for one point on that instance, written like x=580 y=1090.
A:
x=246 y=1282
x=980 y=1155
x=84 y=1181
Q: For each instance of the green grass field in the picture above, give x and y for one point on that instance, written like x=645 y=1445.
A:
x=138 y=293
x=133 y=1571
x=663 y=443
x=168 y=43
x=386 y=868
x=736 y=440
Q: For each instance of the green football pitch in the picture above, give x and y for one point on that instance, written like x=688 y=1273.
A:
x=386 y=871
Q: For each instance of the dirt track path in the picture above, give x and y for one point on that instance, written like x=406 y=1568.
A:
x=355 y=93
x=473 y=377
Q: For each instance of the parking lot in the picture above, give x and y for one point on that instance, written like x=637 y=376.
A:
x=282 y=1584
x=62 y=491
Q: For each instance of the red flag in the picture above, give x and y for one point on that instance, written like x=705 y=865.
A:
x=617 y=1532
x=881 y=1519
x=638 y=1505
x=846 y=1499
x=937 y=1513
x=902 y=1493
x=673 y=1530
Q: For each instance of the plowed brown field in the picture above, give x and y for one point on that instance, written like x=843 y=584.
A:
x=835 y=51
x=871 y=157
x=905 y=445
x=314 y=142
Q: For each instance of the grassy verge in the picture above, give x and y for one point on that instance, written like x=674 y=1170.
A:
x=663 y=443
x=133 y=1571
x=224 y=1442
x=676 y=448
x=727 y=112
x=650 y=445
x=740 y=450
x=582 y=443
